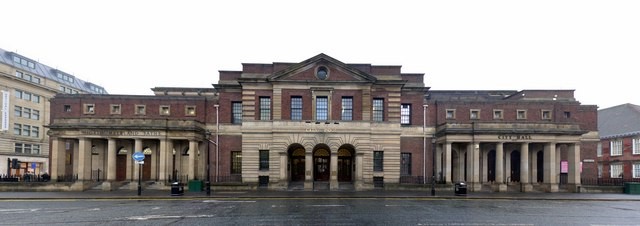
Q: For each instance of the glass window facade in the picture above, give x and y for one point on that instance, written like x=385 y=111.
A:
x=378 y=157
x=405 y=114
x=347 y=109
x=236 y=112
x=322 y=108
x=378 y=109
x=265 y=108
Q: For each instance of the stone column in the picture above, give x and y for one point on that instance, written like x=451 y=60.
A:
x=359 y=175
x=475 y=178
x=55 y=158
x=284 y=179
x=308 y=171
x=84 y=159
x=574 y=167
x=137 y=147
x=162 y=153
x=193 y=151
x=111 y=164
x=525 y=183
x=447 y=163
x=550 y=170
x=500 y=167
x=333 y=165
x=439 y=173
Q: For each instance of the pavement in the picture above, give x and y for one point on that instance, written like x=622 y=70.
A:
x=270 y=194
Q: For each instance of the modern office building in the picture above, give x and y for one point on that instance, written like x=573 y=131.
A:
x=26 y=87
x=322 y=124
x=619 y=152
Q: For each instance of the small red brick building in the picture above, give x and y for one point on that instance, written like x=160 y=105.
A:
x=618 y=154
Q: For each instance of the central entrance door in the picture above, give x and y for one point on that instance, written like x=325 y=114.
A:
x=345 y=165
x=321 y=171
x=297 y=164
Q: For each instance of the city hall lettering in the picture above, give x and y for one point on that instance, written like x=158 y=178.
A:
x=514 y=137
x=120 y=133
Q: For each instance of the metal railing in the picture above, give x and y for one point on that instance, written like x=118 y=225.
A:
x=607 y=181
x=25 y=178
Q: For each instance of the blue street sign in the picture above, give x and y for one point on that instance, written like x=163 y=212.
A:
x=138 y=156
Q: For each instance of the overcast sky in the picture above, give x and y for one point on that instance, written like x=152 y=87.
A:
x=131 y=46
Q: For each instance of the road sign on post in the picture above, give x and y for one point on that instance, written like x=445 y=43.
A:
x=139 y=158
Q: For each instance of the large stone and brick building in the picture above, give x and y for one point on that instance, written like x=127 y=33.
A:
x=325 y=124
x=26 y=87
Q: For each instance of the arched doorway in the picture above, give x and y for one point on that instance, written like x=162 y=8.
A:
x=121 y=164
x=321 y=171
x=296 y=162
x=491 y=166
x=345 y=164
x=515 y=166
x=146 y=167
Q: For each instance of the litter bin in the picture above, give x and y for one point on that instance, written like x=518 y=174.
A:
x=195 y=185
x=632 y=188
x=460 y=188
x=177 y=189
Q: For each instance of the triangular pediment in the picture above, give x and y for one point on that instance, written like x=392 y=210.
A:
x=321 y=68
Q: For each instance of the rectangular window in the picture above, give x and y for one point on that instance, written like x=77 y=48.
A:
x=26 y=96
x=236 y=162
x=378 y=109
x=616 y=171
x=26 y=130
x=67 y=108
x=405 y=114
x=521 y=114
x=405 y=164
x=636 y=170
x=18 y=148
x=35 y=131
x=599 y=150
x=636 y=146
x=236 y=112
x=35 y=114
x=599 y=170
x=377 y=161
x=616 y=147
x=18 y=94
x=35 y=98
x=27 y=149
x=296 y=108
x=190 y=110
x=115 y=109
x=141 y=109
x=89 y=109
x=497 y=114
x=265 y=108
x=165 y=110
x=18 y=111
x=451 y=114
x=347 y=109
x=264 y=159
x=35 y=149
x=322 y=108
x=17 y=129
x=26 y=112
x=474 y=114
x=546 y=115
x=567 y=114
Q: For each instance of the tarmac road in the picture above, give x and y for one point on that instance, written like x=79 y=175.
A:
x=317 y=211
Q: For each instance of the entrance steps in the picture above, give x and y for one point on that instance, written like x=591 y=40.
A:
x=296 y=186
x=321 y=185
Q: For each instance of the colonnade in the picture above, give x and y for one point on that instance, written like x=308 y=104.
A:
x=474 y=163
x=81 y=156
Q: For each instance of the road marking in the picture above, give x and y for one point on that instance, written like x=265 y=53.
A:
x=148 y=217
x=232 y=201
x=17 y=210
x=94 y=209
x=326 y=205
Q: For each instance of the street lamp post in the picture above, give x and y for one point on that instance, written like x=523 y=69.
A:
x=433 y=151
x=208 y=182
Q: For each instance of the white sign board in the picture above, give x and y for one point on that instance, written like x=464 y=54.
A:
x=5 y=111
